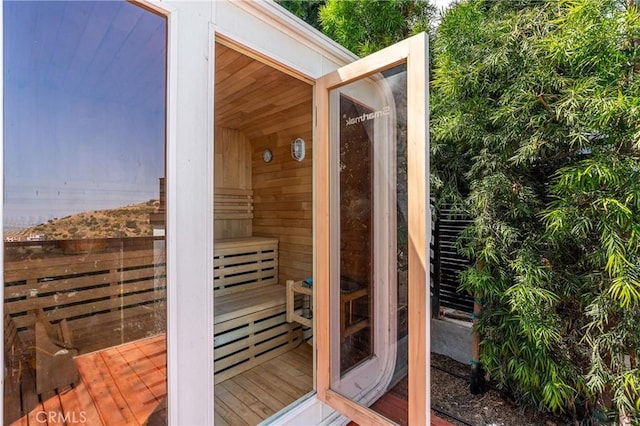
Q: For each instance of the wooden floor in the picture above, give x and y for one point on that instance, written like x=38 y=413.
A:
x=256 y=394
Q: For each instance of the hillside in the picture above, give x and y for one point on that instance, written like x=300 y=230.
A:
x=127 y=221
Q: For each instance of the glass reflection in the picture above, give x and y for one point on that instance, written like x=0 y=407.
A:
x=356 y=220
x=84 y=258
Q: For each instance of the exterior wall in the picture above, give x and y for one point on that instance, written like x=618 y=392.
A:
x=268 y=29
x=189 y=172
x=451 y=338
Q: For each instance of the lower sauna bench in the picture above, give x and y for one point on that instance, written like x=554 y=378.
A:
x=250 y=322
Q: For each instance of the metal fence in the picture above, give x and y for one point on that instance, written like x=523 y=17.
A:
x=447 y=263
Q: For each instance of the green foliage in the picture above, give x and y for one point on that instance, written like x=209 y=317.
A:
x=307 y=10
x=365 y=26
x=536 y=135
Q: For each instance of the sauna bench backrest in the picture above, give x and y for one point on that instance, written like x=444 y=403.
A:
x=244 y=264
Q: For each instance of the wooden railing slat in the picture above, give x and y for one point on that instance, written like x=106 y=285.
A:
x=63 y=265
x=89 y=296
x=82 y=282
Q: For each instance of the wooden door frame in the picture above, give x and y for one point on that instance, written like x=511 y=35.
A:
x=413 y=52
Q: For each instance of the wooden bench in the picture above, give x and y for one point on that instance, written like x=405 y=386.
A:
x=250 y=306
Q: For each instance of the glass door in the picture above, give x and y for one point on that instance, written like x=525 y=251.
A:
x=372 y=229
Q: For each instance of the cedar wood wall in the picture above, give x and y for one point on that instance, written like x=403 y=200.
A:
x=282 y=189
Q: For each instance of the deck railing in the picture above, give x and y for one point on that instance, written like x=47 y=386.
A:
x=110 y=291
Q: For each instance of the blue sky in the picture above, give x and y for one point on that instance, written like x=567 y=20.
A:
x=84 y=101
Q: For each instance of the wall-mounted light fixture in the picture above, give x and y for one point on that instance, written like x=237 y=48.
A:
x=267 y=155
x=297 y=149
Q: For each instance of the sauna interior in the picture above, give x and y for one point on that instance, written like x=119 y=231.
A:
x=258 y=108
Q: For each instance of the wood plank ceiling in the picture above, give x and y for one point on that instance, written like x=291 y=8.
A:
x=255 y=98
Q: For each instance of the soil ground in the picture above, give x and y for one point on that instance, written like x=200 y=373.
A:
x=451 y=400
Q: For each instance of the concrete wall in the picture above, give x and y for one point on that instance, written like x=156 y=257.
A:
x=451 y=338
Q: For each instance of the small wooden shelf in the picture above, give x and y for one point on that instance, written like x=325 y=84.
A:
x=351 y=323
x=294 y=287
